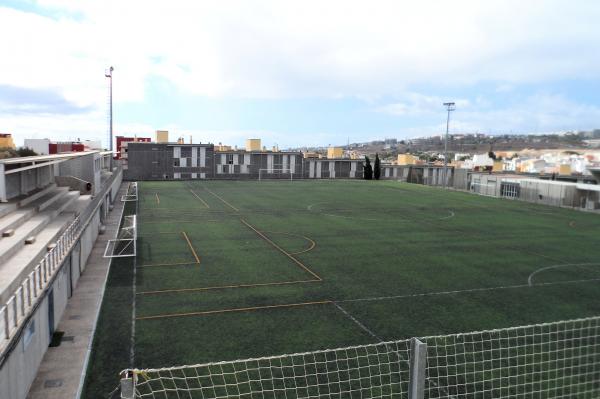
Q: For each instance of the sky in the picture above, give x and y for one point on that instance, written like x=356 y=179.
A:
x=297 y=73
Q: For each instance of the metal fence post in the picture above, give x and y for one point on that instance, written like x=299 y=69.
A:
x=127 y=383
x=418 y=363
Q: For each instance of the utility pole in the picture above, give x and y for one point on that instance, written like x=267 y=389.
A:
x=450 y=106
x=109 y=76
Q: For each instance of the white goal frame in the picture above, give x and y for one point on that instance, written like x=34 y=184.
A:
x=275 y=171
x=132 y=193
x=125 y=245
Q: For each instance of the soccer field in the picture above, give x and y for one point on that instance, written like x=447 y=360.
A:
x=230 y=269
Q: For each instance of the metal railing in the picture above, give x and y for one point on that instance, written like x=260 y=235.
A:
x=17 y=309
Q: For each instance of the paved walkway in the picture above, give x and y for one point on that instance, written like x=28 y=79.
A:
x=60 y=374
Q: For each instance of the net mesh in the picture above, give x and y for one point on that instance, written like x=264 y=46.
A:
x=551 y=360
x=370 y=371
x=555 y=360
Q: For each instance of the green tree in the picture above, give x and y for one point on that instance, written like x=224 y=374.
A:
x=26 y=152
x=377 y=169
x=368 y=173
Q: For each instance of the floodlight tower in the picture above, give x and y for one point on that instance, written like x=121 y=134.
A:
x=450 y=106
x=108 y=74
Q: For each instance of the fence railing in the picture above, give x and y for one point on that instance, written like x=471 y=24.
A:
x=550 y=360
x=16 y=310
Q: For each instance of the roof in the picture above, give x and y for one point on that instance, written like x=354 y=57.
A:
x=45 y=158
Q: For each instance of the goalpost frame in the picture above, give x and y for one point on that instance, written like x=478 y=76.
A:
x=275 y=171
x=132 y=193
x=125 y=245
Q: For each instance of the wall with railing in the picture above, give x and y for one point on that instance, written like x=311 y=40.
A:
x=24 y=317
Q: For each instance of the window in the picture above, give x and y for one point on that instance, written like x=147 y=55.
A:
x=176 y=162
x=229 y=159
x=509 y=190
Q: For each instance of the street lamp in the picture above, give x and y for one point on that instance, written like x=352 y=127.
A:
x=109 y=76
x=450 y=106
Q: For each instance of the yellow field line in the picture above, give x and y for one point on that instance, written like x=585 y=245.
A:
x=225 y=202
x=191 y=247
x=201 y=200
x=222 y=287
x=157 y=198
x=313 y=244
x=296 y=261
x=168 y=264
x=209 y=312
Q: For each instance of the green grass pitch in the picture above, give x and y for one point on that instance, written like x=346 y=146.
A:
x=229 y=269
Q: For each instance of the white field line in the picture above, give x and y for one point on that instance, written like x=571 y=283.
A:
x=451 y=215
x=382 y=298
x=530 y=279
x=358 y=323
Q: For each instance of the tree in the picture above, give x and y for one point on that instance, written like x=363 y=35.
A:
x=377 y=169
x=368 y=174
x=26 y=152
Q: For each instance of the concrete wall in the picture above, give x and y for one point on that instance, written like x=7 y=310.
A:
x=29 y=345
x=85 y=167
x=24 y=182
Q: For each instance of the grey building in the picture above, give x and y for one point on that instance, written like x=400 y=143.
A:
x=167 y=161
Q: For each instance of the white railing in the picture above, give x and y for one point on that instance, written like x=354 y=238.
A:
x=25 y=298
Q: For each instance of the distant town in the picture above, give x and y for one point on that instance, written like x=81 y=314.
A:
x=568 y=153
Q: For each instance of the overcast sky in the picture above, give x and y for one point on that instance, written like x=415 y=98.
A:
x=297 y=73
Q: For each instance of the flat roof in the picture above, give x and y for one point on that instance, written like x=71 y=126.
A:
x=45 y=158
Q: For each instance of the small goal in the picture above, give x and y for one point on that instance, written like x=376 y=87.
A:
x=132 y=193
x=125 y=244
x=270 y=174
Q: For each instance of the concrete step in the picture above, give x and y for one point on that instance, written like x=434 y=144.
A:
x=63 y=205
x=15 y=270
x=5 y=209
x=15 y=219
x=35 y=196
x=9 y=246
x=52 y=197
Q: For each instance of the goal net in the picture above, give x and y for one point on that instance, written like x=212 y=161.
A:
x=125 y=243
x=132 y=193
x=281 y=173
x=550 y=360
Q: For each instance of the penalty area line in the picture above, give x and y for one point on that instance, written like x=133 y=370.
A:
x=233 y=310
x=222 y=200
x=191 y=247
x=267 y=239
x=223 y=287
x=201 y=200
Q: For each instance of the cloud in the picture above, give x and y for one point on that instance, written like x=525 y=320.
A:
x=296 y=49
x=18 y=100
x=289 y=49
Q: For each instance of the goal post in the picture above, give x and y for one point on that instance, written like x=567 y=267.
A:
x=275 y=174
x=132 y=193
x=125 y=245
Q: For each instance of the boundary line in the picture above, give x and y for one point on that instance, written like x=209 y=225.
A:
x=201 y=200
x=168 y=264
x=209 y=312
x=530 y=278
x=424 y=294
x=222 y=200
x=223 y=287
x=358 y=323
x=191 y=247
x=267 y=239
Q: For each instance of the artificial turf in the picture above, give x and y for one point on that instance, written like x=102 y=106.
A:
x=404 y=260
